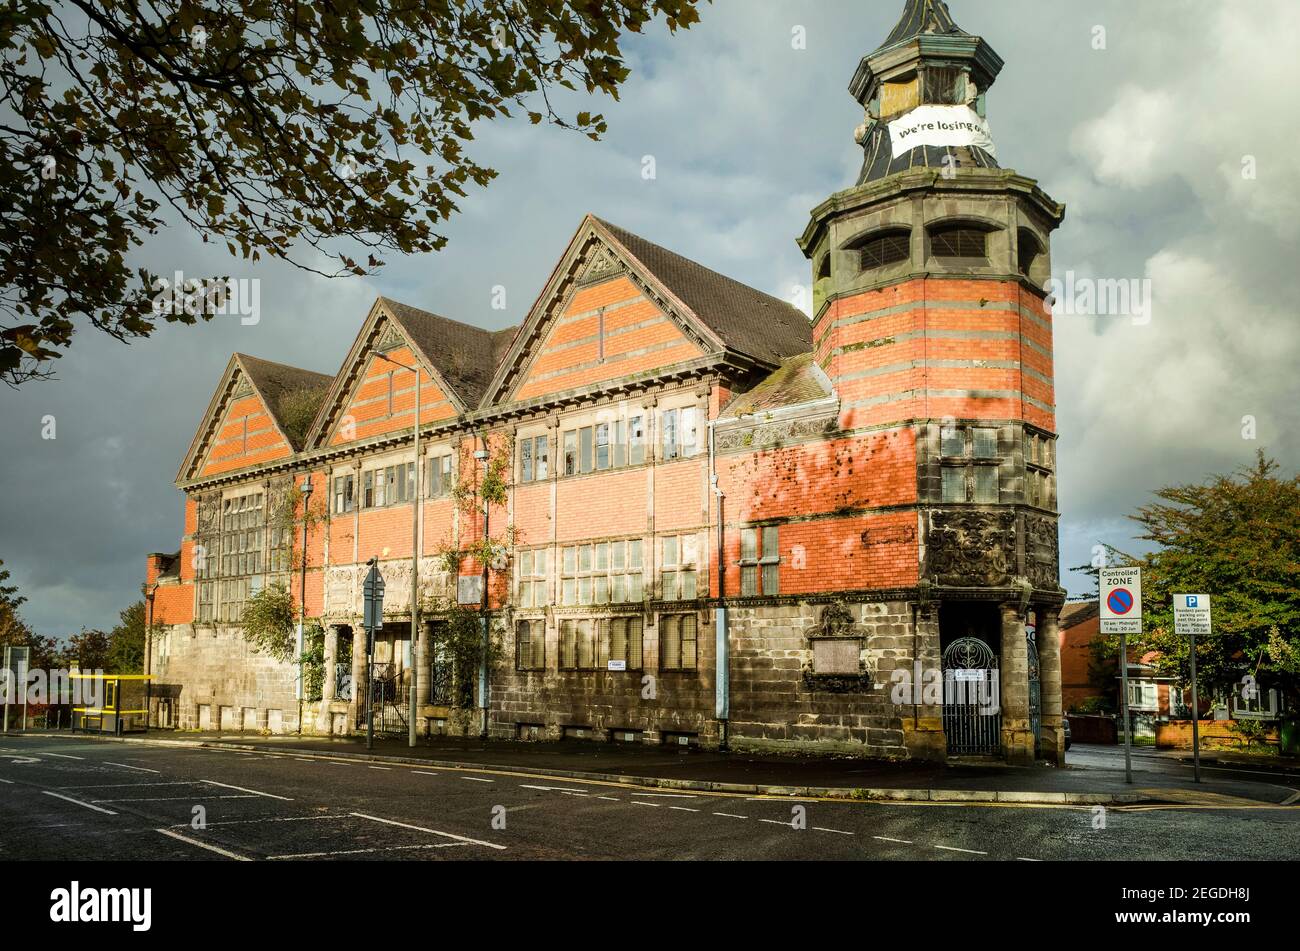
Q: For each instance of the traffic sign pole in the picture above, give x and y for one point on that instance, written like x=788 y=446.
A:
x=1196 y=719
x=1128 y=723
x=1192 y=617
x=1119 y=591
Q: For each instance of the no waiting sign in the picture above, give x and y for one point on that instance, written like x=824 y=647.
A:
x=1120 y=590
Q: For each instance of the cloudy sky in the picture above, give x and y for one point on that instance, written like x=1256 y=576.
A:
x=1144 y=140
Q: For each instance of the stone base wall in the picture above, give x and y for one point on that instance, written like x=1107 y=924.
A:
x=210 y=678
x=785 y=694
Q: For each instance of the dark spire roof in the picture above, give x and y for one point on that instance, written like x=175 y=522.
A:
x=922 y=16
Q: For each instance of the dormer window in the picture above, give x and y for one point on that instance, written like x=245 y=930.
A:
x=959 y=242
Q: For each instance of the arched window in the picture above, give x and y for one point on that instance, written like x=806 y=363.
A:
x=1029 y=250
x=883 y=248
x=959 y=241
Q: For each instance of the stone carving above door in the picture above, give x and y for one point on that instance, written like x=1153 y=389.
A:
x=971 y=548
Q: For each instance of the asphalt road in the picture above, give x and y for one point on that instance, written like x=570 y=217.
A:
x=89 y=800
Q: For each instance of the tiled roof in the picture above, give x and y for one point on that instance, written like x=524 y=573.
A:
x=1079 y=611
x=797 y=380
x=274 y=380
x=744 y=319
x=922 y=16
x=466 y=356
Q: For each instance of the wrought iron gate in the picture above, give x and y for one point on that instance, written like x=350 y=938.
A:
x=388 y=696
x=1035 y=689
x=972 y=718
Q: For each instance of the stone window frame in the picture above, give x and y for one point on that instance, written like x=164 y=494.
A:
x=534 y=451
x=232 y=587
x=345 y=494
x=375 y=492
x=619 y=430
x=530 y=652
x=863 y=246
x=572 y=637
x=672 y=642
x=633 y=653
x=533 y=578
x=760 y=562
x=440 y=480
x=1040 y=469
x=686 y=563
x=673 y=428
x=959 y=226
x=970 y=463
x=631 y=569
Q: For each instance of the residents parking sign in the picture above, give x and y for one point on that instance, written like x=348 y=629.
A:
x=1120 y=591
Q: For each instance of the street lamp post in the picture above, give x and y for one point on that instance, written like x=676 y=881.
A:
x=302 y=607
x=483 y=455
x=412 y=707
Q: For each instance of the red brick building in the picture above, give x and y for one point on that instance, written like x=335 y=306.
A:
x=718 y=521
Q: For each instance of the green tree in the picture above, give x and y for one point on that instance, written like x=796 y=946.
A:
x=1237 y=539
x=88 y=650
x=302 y=131
x=15 y=631
x=126 y=641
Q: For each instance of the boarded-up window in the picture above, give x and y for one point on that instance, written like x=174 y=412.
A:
x=899 y=95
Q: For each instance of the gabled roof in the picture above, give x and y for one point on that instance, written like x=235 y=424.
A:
x=465 y=356
x=270 y=381
x=274 y=380
x=459 y=357
x=798 y=380
x=744 y=319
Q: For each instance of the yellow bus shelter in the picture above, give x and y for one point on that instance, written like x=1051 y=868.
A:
x=123 y=705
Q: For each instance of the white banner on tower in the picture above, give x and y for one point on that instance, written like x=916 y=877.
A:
x=940 y=126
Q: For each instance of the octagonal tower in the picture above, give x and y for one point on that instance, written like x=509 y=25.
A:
x=930 y=314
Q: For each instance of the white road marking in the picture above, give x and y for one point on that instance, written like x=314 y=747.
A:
x=423 y=772
x=8 y=782
x=204 y=845
x=824 y=829
x=213 y=782
x=184 y=782
x=170 y=798
x=241 y=822
x=302 y=759
x=386 y=768
x=950 y=848
x=129 y=766
x=78 y=802
x=679 y=808
x=778 y=822
x=666 y=795
x=730 y=815
x=610 y=798
x=63 y=755
x=449 y=835
x=885 y=838
x=1019 y=858
x=390 y=848
x=563 y=789
x=640 y=803
x=476 y=779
